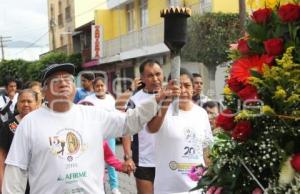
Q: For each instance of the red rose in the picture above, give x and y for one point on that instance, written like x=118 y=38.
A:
x=248 y=92
x=296 y=162
x=242 y=131
x=289 y=12
x=211 y=190
x=257 y=190
x=235 y=85
x=274 y=46
x=243 y=46
x=225 y=120
x=261 y=15
x=218 y=190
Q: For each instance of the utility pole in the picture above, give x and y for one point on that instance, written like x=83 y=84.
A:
x=3 y=39
x=242 y=14
x=52 y=25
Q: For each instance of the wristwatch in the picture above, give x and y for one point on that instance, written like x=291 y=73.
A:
x=127 y=157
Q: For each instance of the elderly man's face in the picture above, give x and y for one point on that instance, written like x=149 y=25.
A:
x=60 y=87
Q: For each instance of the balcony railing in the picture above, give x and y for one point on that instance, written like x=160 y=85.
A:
x=134 y=40
x=116 y=3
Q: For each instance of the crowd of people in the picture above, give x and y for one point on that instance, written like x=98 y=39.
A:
x=55 y=138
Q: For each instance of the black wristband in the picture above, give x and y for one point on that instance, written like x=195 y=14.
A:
x=127 y=157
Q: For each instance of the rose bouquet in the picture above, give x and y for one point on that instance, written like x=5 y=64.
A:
x=258 y=150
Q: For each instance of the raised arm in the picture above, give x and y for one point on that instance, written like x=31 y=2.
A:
x=155 y=124
x=136 y=118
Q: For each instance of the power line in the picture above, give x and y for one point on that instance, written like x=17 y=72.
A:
x=37 y=40
x=2 y=40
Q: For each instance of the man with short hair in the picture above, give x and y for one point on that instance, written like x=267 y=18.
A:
x=59 y=145
x=212 y=109
x=86 y=80
x=143 y=142
x=198 y=98
x=9 y=100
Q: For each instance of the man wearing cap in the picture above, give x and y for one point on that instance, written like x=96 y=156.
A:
x=59 y=146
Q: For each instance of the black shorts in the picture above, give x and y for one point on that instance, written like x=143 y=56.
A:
x=145 y=173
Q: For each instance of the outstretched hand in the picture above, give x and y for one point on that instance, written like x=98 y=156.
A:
x=167 y=94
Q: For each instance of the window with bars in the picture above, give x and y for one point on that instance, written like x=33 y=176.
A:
x=60 y=20
x=68 y=16
x=144 y=13
x=130 y=17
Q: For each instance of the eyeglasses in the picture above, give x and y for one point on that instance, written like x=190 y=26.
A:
x=61 y=78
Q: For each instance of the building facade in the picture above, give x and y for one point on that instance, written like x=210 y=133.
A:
x=61 y=25
x=134 y=31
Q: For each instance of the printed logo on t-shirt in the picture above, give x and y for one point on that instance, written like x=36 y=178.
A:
x=191 y=149
x=182 y=168
x=78 y=190
x=72 y=176
x=13 y=126
x=67 y=144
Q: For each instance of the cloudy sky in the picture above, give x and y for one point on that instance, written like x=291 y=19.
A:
x=24 y=20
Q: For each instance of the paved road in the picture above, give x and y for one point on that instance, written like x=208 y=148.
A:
x=127 y=183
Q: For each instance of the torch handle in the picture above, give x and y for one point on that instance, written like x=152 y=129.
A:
x=175 y=75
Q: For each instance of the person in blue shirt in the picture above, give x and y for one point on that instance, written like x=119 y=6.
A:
x=86 y=80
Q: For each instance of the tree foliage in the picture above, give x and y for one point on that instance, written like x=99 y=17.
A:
x=209 y=36
x=30 y=70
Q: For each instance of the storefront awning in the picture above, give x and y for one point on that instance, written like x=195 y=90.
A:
x=90 y=63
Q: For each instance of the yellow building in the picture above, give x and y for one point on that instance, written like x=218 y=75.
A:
x=133 y=31
x=85 y=11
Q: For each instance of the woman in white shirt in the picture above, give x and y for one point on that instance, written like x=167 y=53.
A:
x=180 y=140
x=102 y=99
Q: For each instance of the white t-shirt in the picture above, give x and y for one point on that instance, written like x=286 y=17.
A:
x=108 y=103
x=63 y=152
x=145 y=144
x=11 y=107
x=178 y=146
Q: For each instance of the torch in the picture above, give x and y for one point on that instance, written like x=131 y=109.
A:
x=175 y=37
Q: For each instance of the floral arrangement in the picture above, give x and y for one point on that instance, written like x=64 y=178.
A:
x=258 y=150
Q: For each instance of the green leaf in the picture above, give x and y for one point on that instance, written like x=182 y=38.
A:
x=256 y=46
x=257 y=31
x=206 y=181
x=256 y=74
x=280 y=30
x=294 y=32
